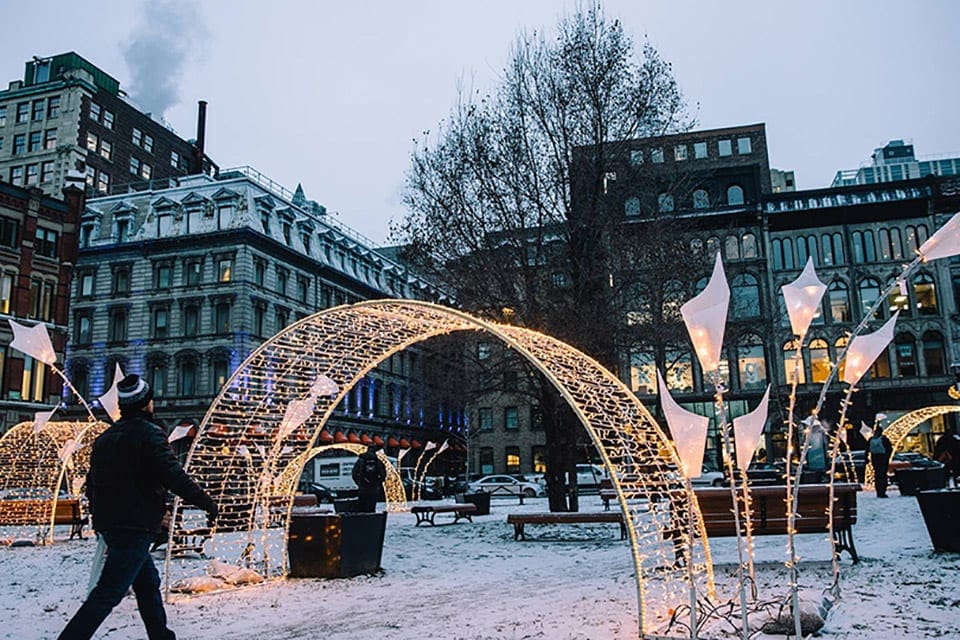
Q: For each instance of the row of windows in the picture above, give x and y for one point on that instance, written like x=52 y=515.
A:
x=143 y=140
x=920 y=298
x=701 y=150
x=700 y=199
x=512 y=462
x=843 y=199
x=187 y=372
x=30 y=384
x=909 y=362
x=32 y=174
x=140 y=169
x=41 y=302
x=101 y=115
x=34 y=110
x=97 y=180
x=867 y=246
x=32 y=141
x=160 y=322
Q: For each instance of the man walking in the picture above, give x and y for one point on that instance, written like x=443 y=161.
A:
x=131 y=467
x=880 y=449
x=369 y=472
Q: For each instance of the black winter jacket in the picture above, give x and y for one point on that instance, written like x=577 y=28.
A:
x=131 y=467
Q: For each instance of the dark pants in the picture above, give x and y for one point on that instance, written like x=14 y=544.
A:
x=128 y=564
x=880 y=464
x=367 y=500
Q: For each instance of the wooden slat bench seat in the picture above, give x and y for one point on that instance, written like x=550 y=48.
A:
x=769 y=512
x=426 y=513
x=518 y=520
x=37 y=512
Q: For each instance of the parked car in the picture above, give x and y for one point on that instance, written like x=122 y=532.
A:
x=761 y=473
x=589 y=476
x=506 y=485
x=709 y=477
x=323 y=493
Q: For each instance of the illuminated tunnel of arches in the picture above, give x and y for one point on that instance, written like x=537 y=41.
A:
x=244 y=444
x=898 y=430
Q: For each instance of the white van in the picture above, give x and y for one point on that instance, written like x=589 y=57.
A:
x=336 y=473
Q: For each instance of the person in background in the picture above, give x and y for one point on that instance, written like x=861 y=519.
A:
x=369 y=472
x=947 y=451
x=131 y=468
x=880 y=449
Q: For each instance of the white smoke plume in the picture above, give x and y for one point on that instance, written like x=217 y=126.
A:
x=168 y=34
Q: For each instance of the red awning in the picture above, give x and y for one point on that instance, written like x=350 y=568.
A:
x=353 y=438
x=404 y=444
x=325 y=437
x=339 y=438
x=415 y=445
x=365 y=439
x=393 y=442
x=377 y=440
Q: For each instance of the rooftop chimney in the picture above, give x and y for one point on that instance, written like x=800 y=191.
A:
x=201 y=131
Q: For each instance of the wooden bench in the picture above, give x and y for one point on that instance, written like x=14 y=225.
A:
x=518 y=520
x=37 y=512
x=426 y=513
x=769 y=512
x=607 y=493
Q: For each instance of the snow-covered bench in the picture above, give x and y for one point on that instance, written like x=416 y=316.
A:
x=460 y=511
x=518 y=520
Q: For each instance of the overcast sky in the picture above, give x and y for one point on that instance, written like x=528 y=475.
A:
x=331 y=94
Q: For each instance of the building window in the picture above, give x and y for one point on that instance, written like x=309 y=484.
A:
x=224 y=269
x=734 y=195
x=148 y=143
x=259 y=320
x=678 y=371
x=146 y=171
x=35 y=141
x=93 y=141
x=285 y=229
x=925 y=293
x=745 y=291
x=731 y=248
x=539 y=456
x=701 y=200
x=46 y=171
x=33 y=176
x=749 y=242
x=163 y=276
x=302 y=288
x=511 y=418
x=699 y=150
x=751 y=363
x=39 y=107
x=839 y=302
x=106 y=149
x=636 y=157
x=121 y=281
x=50 y=139
x=512 y=459
x=933 y=354
x=792 y=368
x=9 y=232
x=898 y=300
x=819 y=360
x=174 y=159
x=680 y=152
x=656 y=155
x=53 y=107
x=221 y=317
x=282 y=282
x=134 y=166
x=95 y=111
x=224 y=215
x=16 y=176
x=6 y=293
x=259 y=272
x=32 y=388
x=743 y=146
x=161 y=322
x=869 y=294
x=3 y=115
x=108 y=119
x=724 y=148
x=121 y=228
x=221 y=371
x=103 y=181
x=484 y=350
x=19 y=144
x=23 y=112
x=117 y=327
x=191 y=320
x=486 y=460
x=137 y=136
x=187 y=377
x=84 y=328
x=631 y=206
x=485 y=419
x=906 y=352
x=41 y=299
x=46 y=244
x=665 y=203
x=86 y=284
x=282 y=319
x=193 y=272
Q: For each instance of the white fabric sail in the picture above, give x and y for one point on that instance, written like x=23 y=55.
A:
x=689 y=431
x=802 y=298
x=706 y=315
x=747 y=430
x=945 y=242
x=33 y=341
x=865 y=349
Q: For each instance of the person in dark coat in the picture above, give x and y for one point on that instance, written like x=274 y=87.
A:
x=880 y=449
x=369 y=472
x=131 y=468
x=947 y=451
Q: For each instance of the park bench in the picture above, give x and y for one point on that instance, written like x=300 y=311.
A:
x=607 y=493
x=769 y=512
x=426 y=513
x=37 y=512
x=518 y=520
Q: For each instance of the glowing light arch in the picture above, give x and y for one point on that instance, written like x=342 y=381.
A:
x=392 y=486
x=45 y=462
x=343 y=344
x=899 y=429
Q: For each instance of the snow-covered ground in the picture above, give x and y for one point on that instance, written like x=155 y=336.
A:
x=473 y=581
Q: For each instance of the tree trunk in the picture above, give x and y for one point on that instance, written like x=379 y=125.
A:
x=561 y=428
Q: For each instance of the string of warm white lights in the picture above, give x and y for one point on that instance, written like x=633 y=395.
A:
x=345 y=343
x=899 y=429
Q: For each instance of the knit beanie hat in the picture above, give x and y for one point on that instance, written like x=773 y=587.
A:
x=133 y=392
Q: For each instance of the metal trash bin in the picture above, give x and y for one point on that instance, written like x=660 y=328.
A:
x=349 y=505
x=335 y=545
x=941 y=514
x=481 y=500
x=914 y=480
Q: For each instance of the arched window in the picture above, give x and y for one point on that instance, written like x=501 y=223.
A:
x=713 y=247
x=827 y=249
x=631 y=206
x=802 y=253
x=788 y=262
x=837 y=248
x=79 y=375
x=701 y=200
x=812 y=250
x=925 y=293
x=898 y=300
x=674 y=296
x=701 y=285
x=745 y=296
x=839 y=302
x=921 y=234
x=896 y=244
x=905 y=348
x=731 y=249
x=751 y=363
x=856 y=239
x=734 y=195
x=886 y=250
x=819 y=360
x=912 y=244
x=790 y=364
x=933 y=356
x=749 y=246
x=777 y=248
x=869 y=293
x=869 y=247
x=665 y=202
x=678 y=371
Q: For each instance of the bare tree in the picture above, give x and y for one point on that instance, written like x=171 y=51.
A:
x=489 y=193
